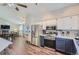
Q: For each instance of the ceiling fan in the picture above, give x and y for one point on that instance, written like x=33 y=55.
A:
x=15 y=5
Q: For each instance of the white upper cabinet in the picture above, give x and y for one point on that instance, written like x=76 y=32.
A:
x=48 y=23
x=75 y=23
x=68 y=23
x=60 y=23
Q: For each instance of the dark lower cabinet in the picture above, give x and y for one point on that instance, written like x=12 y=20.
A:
x=65 y=45
x=60 y=44
x=70 y=47
x=41 y=41
x=49 y=43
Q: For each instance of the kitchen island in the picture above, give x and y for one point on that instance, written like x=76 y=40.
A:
x=65 y=44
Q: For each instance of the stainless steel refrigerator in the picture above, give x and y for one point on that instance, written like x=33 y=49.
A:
x=36 y=31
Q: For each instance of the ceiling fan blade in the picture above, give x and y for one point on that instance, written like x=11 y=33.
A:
x=4 y=4
x=22 y=5
x=17 y=8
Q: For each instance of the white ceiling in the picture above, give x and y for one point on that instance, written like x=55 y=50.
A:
x=31 y=12
x=8 y=14
x=35 y=12
x=42 y=8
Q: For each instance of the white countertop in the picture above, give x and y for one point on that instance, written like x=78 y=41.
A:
x=48 y=37
x=65 y=37
x=4 y=44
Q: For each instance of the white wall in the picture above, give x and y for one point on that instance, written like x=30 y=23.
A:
x=12 y=25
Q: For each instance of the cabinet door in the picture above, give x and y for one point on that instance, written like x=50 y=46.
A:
x=75 y=22
x=69 y=46
x=64 y=23
x=73 y=49
x=60 y=24
x=60 y=44
x=41 y=41
x=67 y=23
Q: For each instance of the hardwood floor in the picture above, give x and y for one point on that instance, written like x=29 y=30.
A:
x=21 y=47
